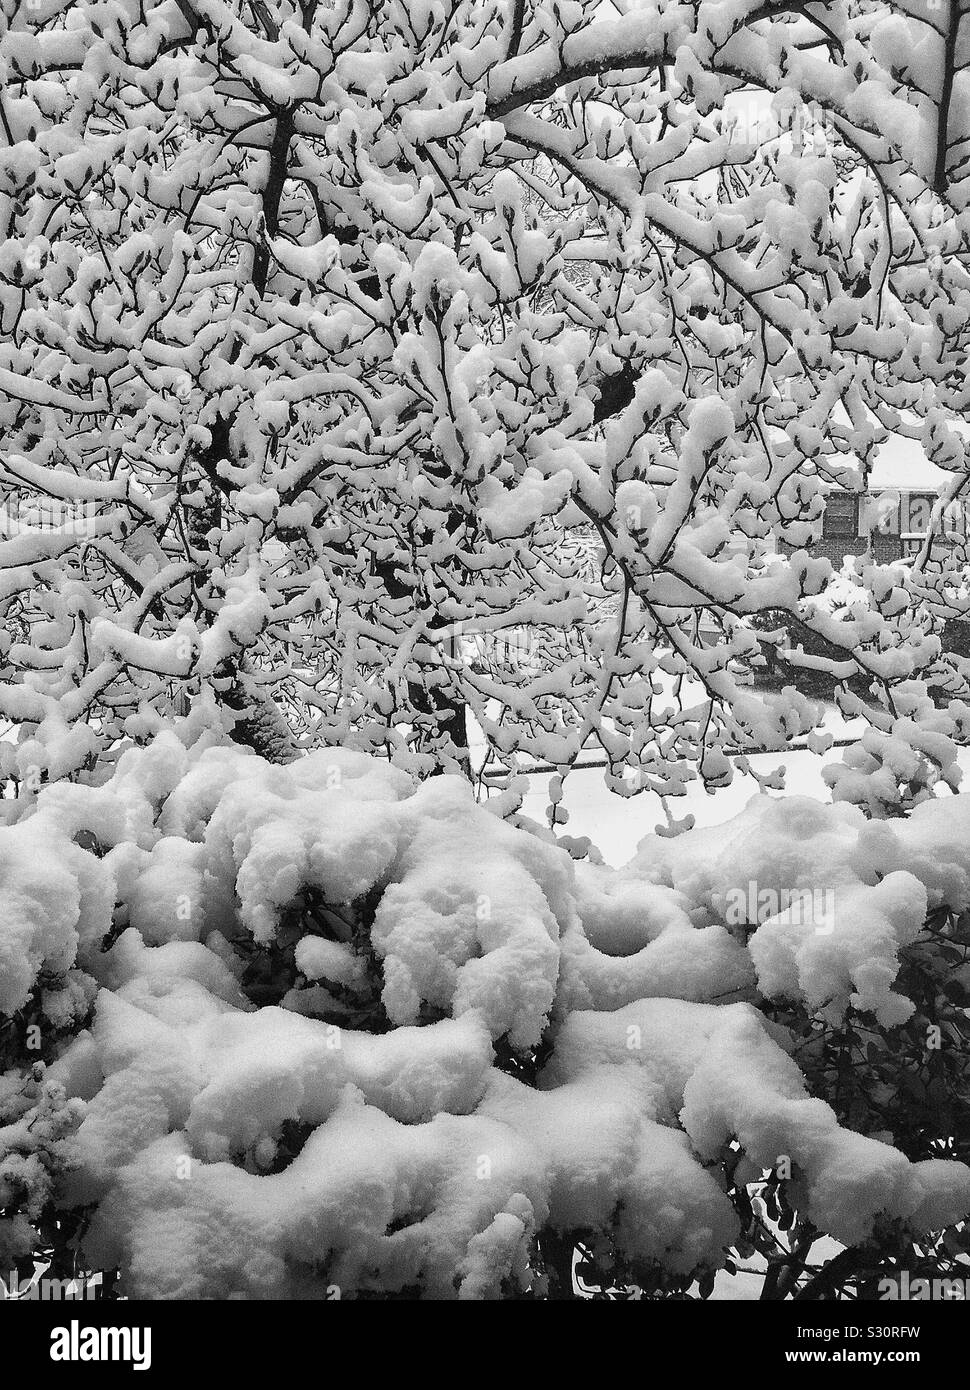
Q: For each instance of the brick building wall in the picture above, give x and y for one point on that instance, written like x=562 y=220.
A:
x=888 y=524
x=884 y=549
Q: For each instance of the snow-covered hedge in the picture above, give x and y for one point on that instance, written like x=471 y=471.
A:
x=280 y=1009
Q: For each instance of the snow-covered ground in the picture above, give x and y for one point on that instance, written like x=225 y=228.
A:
x=616 y=825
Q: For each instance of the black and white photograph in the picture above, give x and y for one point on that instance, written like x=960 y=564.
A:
x=485 y=668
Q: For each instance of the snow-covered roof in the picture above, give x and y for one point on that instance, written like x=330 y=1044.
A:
x=901 y=463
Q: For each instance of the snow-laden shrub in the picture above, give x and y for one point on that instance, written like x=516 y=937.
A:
x=316 y=1027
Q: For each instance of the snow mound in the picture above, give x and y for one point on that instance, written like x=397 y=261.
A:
x=824 y=898
x=300 y=1005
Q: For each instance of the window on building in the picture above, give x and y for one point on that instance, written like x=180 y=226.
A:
x=840 y=515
